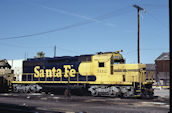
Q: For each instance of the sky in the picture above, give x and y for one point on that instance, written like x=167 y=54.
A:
x=79 y=27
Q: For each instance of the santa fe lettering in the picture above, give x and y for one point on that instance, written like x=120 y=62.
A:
x=68 y=71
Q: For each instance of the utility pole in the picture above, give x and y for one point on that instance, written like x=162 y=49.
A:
x=138 y=40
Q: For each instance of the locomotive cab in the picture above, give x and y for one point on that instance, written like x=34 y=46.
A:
x=115 y=76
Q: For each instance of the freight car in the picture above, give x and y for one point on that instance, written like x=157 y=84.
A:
x=101 y=74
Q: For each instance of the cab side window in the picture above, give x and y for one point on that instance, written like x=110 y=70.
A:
x=101 y=64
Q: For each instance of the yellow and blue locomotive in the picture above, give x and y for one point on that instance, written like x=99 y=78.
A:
x=101 y=74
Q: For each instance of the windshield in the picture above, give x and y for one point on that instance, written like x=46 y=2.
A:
x=117 y=59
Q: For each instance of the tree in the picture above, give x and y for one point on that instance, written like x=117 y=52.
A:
x=40 y=54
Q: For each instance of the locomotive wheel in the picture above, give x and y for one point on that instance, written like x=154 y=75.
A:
x=32 y=91
x=95 y=93
x=119 y=94
x=24 y=90
x=67 y=93
x=15 y=90
x=125 y=95
x=113 y=94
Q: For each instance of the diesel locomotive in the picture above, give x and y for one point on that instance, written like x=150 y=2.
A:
x=101 y=74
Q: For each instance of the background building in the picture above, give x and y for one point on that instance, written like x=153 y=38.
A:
x=16 y=65
x=162 y=65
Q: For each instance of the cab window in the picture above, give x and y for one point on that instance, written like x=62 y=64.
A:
x=101 y=64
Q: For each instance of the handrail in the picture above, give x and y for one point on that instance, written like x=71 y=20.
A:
x=152 y=73
x=150 y=76
x=32 y=76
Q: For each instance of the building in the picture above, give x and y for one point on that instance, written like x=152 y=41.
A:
x=16 y=65
x=162 y=65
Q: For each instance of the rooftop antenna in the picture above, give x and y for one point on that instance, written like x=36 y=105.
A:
x=55 y=51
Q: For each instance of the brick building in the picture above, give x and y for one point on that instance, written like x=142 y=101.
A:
x=162 y=68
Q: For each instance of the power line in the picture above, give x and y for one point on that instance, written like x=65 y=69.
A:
x=75 y=15
x=153 y=17
x=102 y=17
x=147 y=49
x=38 y=47
x=157 y=6
x=23 y=47
x=70 y=13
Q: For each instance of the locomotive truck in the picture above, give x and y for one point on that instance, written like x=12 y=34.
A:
x=101 y=74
